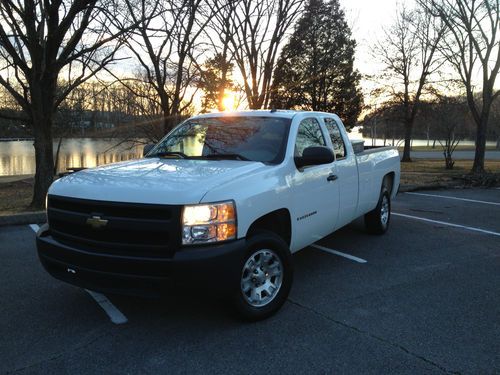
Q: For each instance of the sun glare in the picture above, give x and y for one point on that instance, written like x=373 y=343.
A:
x=229 y=101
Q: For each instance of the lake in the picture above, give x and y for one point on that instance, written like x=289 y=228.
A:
x=18 y=157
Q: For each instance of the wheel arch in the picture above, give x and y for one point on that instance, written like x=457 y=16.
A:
x=388 y=182
x=278 y=222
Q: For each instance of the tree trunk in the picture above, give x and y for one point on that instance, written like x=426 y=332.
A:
x=254 y=101
x=42 y=91
x=478 y=166
x=407 y=148
x=166 y=123
x=448 y=159
x=44 y=161
x=56 y=160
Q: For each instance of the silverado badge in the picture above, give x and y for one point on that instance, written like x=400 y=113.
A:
x=96 y=222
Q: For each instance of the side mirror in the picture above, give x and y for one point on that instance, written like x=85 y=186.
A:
x=315 y=155
x=147 y=148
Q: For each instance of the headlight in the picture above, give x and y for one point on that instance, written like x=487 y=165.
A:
x=205 y=223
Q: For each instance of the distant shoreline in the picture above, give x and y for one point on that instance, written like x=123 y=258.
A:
x=55 y=139
x=16 y=139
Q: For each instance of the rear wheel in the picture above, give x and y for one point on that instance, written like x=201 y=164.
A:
x=266 y=277
x=377 y=220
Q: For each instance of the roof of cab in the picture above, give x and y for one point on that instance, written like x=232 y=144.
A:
x=280 y=113
x=257 y=113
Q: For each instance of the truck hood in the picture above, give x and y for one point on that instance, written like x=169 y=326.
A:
x=153 y=180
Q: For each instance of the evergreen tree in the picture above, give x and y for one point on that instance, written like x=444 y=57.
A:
x=215 y=80
x=315 y=69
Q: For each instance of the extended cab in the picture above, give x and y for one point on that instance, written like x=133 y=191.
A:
x=220 y=203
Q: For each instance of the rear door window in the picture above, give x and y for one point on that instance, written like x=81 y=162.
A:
x=336 y=137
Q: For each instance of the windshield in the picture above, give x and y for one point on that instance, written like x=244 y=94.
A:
x=240 y=138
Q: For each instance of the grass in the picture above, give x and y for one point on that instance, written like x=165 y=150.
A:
x=422 y=172
x=437 y=166
x=15 y=196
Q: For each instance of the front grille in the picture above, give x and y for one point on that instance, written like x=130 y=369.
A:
x=132 y=228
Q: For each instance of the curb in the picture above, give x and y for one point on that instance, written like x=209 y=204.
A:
x=23 y=218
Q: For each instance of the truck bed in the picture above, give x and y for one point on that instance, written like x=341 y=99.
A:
x=360 y=148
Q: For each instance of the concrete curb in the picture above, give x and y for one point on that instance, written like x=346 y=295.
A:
x=23 y=218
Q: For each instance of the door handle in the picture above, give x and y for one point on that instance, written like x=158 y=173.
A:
x=332 y=177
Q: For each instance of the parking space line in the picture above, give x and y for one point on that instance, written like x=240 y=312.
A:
x=35 y=227
x=447 y=224
x=114 y=314
x=335 y=252
x=455 y=198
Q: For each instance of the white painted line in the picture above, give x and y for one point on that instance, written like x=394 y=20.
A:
x=335 y=252
x=114 y=314
x=447 y=224
x=455 y=198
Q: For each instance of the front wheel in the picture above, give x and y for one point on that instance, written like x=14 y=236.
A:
x=266 y=277
x=377 y=220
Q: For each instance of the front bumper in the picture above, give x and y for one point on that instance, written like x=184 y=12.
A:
x=213 y=269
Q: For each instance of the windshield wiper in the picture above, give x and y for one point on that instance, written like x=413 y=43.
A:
x=169 y=153
x=226 y=156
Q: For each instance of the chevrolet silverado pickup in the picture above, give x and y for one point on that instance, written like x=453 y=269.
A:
x=219 y=204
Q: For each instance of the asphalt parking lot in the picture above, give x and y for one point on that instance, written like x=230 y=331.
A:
x=422 y=299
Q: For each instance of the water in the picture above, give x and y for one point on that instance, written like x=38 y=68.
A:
x=18 y=157
x=356 y=134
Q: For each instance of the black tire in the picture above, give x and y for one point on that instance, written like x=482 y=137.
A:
x=375 y=221
x=273 y=246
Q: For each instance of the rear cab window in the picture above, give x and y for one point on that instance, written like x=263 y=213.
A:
x=339 y=148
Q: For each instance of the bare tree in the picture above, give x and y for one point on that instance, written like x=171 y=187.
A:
x=167 y=47
x=258 y=27
x=42 y=41
x=408 y=52
x=450 y=115
x=472 y=48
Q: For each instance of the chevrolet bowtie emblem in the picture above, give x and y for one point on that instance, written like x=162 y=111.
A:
x=96 y=222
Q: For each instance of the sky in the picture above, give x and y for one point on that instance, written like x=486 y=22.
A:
x=367 y=20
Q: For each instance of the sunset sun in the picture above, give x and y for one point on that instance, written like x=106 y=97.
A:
x=229 y=101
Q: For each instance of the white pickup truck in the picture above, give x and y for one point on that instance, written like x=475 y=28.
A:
x=219 y=204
